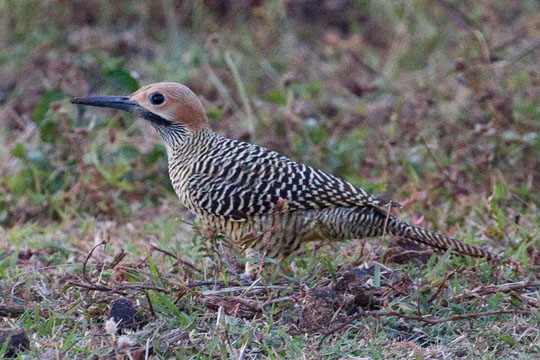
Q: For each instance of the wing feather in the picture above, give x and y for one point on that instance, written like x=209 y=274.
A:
x=253 y=180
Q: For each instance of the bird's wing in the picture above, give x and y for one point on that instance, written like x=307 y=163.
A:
x=256 y=181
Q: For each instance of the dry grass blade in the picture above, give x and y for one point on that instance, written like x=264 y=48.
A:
x=429 y=320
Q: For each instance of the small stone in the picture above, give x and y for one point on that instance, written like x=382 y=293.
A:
x=124 y=313
x=317 y=308
x=356 y=288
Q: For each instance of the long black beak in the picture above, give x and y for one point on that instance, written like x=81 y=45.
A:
x=115 y=102
x=122 y=103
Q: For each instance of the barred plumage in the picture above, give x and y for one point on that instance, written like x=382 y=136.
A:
x=235 y=188
x=258 y=198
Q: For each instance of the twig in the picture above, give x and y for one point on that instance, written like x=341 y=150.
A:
x=493 y=289
x=251 y=304
x=511 y=41
x=429 y=320
x=150 y=306
x=438 y=165
x=117 y=259
x=193 y=284
x=184 y=262
x=483 y=45
x=242 y=288
x=121 y=288
x=12 y=310
x=529 y=48
x=434 y=321
x=407 y=254
x=372 y=71
x=277 y=300
x=528 y=300
x=458 y=17
x=338 y=328
x=104 y=243
x=442 y=285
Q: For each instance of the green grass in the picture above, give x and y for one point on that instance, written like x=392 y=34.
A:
x=422 y=102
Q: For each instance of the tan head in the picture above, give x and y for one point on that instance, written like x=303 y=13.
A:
x=174 y=102
x=164 y=104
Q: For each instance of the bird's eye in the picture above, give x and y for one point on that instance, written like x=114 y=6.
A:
x=156 y=98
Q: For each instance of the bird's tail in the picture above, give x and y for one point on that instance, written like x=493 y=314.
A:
x=432 y=239
x=368 y=221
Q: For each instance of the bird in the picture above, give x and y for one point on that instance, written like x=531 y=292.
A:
x=259 y=199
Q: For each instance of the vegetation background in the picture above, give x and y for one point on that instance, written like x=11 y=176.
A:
x=435 y=103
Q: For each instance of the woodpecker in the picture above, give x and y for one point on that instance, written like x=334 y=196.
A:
x=258 y=198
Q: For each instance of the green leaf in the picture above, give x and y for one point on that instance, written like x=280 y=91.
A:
x=153 y=270
x=315 y=86
x=129 y=152
x=498 y=192
x=216 y=112
x=43 y=105
x=47 y=131
x=20 y=182
x=277 y=97
x=19 y=151
x=185 y=319
x=157 y=152
x=413 y=173
x=331 y=270
x=122 y=79
x=507 y=339
x=4 y=347
x=69 y=339
x=493 y=303
x=500 y=217
x=166 y=303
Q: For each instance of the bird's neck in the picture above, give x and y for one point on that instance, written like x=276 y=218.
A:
x=183 y=144
x=184 y=157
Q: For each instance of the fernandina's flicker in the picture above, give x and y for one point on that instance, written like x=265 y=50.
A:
x=258 y=198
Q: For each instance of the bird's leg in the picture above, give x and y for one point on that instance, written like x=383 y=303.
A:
x=265 y=237
x=250 y=270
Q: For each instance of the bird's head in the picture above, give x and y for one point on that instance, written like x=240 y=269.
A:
x=168 y=106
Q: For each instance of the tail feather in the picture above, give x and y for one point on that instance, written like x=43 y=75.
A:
x=434 y=240
x=367 y=221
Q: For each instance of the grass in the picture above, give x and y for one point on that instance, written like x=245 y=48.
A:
x=432 y=103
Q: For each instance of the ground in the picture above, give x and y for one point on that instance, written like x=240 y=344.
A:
x=434 y=104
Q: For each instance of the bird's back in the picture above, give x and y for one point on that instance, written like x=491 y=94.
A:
x=237 y=181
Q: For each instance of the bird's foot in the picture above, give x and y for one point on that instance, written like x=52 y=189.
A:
x=250 y=272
